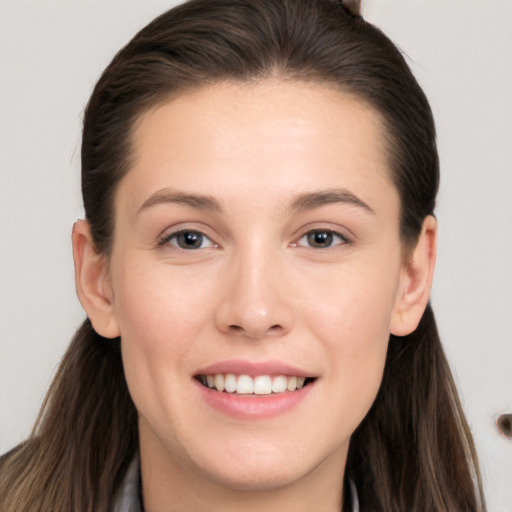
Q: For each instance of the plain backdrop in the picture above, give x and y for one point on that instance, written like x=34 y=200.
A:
x=51 y=53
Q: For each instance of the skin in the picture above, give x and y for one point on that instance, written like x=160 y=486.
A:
x=256 y=289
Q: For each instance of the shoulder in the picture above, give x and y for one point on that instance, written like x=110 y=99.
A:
x=16 y=459
x=6 y=456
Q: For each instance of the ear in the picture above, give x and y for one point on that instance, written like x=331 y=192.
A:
x=415 y=281
x=92 y=281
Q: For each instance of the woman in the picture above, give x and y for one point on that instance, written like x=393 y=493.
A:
x=259 y=181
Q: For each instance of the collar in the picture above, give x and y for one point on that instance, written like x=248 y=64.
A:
x=128 y=497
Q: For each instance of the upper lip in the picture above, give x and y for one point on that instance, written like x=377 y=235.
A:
x=253 y=368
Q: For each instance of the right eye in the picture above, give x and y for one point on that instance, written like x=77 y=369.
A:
x=187 y=239
x=322 y=239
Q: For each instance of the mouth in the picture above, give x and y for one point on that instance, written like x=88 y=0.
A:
x=258 y=385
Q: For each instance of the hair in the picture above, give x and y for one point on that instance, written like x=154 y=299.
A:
x=414 y=450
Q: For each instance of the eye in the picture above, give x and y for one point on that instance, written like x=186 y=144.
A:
x=188 y=240
x=321 y=239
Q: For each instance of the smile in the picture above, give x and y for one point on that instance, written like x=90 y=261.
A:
x=257 y=385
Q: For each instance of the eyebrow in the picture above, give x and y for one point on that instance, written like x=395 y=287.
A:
x=167 y=196
x=306 y=201
x=311 y=200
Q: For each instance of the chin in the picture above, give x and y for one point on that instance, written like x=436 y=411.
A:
x=271 y=467
x=258 y=478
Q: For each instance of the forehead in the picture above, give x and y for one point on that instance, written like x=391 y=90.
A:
x=253 y=136
x=273 y=105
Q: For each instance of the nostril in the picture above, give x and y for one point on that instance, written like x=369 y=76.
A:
x=249 y=315
x=255 y=331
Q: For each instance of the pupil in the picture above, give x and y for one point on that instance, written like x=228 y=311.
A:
x=190 y=240
x=320 y=239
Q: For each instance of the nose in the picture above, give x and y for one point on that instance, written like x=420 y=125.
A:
x=255 y=301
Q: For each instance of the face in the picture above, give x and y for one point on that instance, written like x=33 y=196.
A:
x=256 y=248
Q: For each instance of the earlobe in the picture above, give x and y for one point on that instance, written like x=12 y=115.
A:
x=92 y=281
x=415 y=281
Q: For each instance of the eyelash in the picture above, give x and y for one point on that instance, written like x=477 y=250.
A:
x=342 y=240
x=167 y=239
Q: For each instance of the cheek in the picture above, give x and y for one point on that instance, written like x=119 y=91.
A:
x=161 y=316
x=160 y=308
x=352 y=319
x=353 y=306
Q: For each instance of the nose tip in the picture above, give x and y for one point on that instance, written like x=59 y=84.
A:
x=257 y=320
x=254 y=309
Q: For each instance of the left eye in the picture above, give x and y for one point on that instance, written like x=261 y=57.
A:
x=321 y=239
x=189 y=240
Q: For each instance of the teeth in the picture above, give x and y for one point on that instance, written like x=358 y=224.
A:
x=279 y=384
x=246 y=385
x=292 y=384
x=230 y=382
x=262 y=385
x=218 y=381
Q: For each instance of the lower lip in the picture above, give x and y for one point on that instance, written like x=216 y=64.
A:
x=253 y=407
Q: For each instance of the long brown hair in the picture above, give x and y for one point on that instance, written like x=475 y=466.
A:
x=413 y=451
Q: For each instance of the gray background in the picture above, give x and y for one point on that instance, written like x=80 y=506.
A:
x=51 y=53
